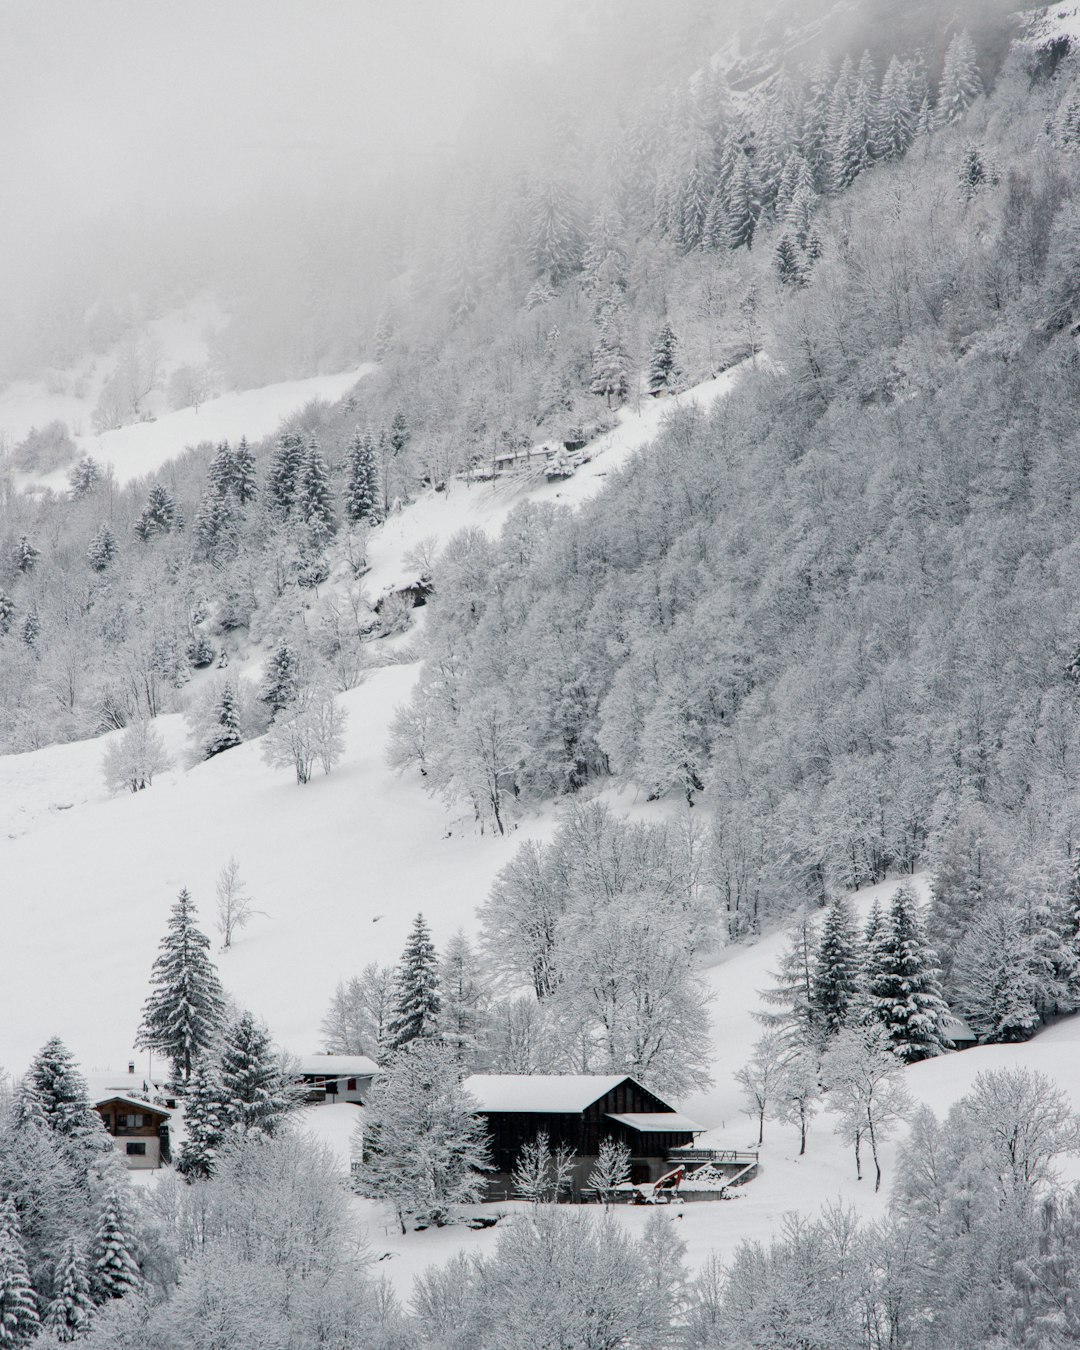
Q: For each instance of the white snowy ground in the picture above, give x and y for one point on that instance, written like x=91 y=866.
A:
x=339 y=868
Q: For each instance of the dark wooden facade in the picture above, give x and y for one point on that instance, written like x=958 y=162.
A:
x=581 y=1132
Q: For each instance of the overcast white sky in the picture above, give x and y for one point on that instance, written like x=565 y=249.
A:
x=116 y=103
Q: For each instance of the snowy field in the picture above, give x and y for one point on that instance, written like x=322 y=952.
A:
x=338 y=870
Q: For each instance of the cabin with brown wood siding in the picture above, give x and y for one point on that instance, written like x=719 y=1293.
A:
x=139 y=1130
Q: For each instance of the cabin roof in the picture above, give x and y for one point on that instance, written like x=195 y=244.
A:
x=540 y=1093
x=956 y=1029
x=338 y=1066
x=655 y=1122
x=137 y=1102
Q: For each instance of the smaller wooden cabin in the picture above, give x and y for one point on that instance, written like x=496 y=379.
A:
x=337 y=1078
x=958 y=1032
x=576 y=1112
x=139 y=1130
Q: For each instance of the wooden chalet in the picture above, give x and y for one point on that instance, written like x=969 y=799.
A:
x=139 y=1129
x=337 y=1078
x=577 y=1111
x=959 y=1033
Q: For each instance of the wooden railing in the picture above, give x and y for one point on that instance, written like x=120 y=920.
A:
x=726 y=1156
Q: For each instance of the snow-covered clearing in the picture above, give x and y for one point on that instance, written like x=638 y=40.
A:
x=338 y=869
x=144 y=447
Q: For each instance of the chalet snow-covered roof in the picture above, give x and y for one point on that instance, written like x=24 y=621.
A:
x=540 y=1093
x=655 y=1122
x=137 y=1102
x=338 y=1066
x=956 y=1029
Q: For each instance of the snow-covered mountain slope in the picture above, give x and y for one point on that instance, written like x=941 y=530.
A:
x=339 y=867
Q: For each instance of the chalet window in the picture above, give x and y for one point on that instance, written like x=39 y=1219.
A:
x=331 y=1086
x=350 y=1086
x=137 y=1147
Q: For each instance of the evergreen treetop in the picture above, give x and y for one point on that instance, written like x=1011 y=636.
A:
x=184 y=1012
x=417 y=1002
x=903 y=982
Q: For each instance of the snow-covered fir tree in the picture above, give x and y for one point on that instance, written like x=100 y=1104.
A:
x=743 y=204
x=160 y=515
x=59 y=1091
x=993 y=976
x=25 y=555
x=114 y=1270
x=664 y=363
x=102 y=549
x=792 y=994
x=281 y=680
x=19 y=1319
x=902 y=982
x=7 y=613
x=283 y=475
x=226 y=730
x=70 y=1308
x=313 y=502
x=205 y=1120
x=183 y=1015
x=417 y=1001
x=361 y=478
x=610 y=362
x=255 y=1093
x=836 y=979
x=961 y=83
x=464 y=1001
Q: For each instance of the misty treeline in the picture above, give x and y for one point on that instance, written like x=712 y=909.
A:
x=835 y=613
x=533 y=306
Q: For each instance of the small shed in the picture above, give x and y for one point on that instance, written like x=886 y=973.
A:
x=577 y=1111
x=337 y=1078
x=958 y=1031
x=139 y=1130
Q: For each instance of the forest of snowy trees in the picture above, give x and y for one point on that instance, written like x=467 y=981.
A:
x=831 y=624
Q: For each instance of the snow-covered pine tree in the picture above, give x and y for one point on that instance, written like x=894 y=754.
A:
x=417 y=1002
x=114 y=1271
x=221 y=474
x=71 y=1307
x=961 y=83
x=399 y=435
x=555 y=235
x=604 y=263
x=284 y=473
x=788 y=262
x=281 y=680
x=314 y=502
x=610 y=362
x=102 y=549
x=84 y=477
x=183 y=1015
x=836 y=976
x=244 y=484
x=255 y=1094
x=59 y=1089
x=896 y=113
x=695 y=194
x=902 y=982
x=31 y=627
x=160 y=515
x=226 y=723
x=838 y=133
x=361 y=478
x=25 y=555
x=464 y=1005
x=204 y=1121
x=664 y=364
x=7 y=613
x=792 y=993
x=19 y=1319
x=743 y=204
x=993 y=978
